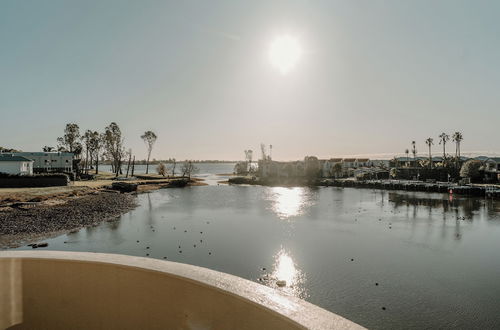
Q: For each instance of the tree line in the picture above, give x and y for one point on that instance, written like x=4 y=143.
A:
x=456 y=137
x=92 y=146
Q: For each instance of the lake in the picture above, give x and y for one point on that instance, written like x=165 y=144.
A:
x=383 y=259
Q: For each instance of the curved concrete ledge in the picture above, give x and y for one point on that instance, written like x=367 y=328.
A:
x=62 y=290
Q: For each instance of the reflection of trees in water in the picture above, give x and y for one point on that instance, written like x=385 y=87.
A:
x=464 y=206
x=492 y=209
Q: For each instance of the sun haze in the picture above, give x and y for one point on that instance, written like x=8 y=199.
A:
x=284 y=53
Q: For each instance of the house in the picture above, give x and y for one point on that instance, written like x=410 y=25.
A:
x=327 y=166
x=362 y=162
x=49 y=161
x=493 y=164
x=348 y=162
x=18 y=165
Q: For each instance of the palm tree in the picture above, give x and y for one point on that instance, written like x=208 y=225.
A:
x=443 y=138
x=430 y=142
x=414 y=152
x=457 y=137
x=407 y=152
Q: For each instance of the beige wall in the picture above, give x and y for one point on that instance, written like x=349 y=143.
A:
x=64 y=293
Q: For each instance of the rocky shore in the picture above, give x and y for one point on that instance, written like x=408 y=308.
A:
x=30 y=223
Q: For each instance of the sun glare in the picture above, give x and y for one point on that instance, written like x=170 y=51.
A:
x=284 y=53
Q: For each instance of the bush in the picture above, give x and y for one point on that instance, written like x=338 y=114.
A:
x=472 y=169
x=161 y=169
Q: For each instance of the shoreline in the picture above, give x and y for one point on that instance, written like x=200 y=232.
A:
x=472 y=190
x=31 y=224
x=31 y=215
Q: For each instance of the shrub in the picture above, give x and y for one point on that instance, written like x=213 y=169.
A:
x=161 y=169
x=471 y=169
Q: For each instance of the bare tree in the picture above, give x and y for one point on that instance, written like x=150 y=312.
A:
x=263 y=151
x=113 y=146
x=161 y=169
x=188 y=168
x=248 y=159
x=172 y=169
x=149 y=138
x=86 y=139
x=96 y=144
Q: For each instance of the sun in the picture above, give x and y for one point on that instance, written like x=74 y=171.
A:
x=284 y=53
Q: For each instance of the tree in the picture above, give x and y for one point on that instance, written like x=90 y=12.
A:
x=407 y=152
x=457 y=137
x=443 y=138
x=188 y=168
x=87 y=136
x=248 y=159
x=96 y=144
x=263 y=151
x=172 y=169
x=312 y=167
x=430 y=142
x=113 y=146
x=161 y=169
x=149 y=138
x=414 y=151
x=472 y=169
x=47 y=149
x=3 y=149
x=336 y=170
x=70 y=140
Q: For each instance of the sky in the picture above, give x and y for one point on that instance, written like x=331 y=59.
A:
x=371 y=77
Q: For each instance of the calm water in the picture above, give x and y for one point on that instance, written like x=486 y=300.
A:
x=331 y=245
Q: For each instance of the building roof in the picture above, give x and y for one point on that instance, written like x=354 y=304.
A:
x=43 y=153
x=362 y=160
x=495 y=159
x=349 y=160
x=11 y=158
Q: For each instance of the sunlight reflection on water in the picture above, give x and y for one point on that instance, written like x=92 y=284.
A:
x=286 y=272
x=289 y=202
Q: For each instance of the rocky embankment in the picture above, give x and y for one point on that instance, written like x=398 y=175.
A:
x=32 y=223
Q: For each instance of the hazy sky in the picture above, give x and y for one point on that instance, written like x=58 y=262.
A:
x=373 y=75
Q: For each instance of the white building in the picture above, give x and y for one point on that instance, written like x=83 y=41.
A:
x=11 y=164
x=49 y=161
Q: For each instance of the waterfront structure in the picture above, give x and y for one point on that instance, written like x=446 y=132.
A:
x=311 y=166
x=79 y=290
x=17 y=165
x=44 y=162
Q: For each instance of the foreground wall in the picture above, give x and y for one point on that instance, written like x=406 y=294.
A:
x=71 y=290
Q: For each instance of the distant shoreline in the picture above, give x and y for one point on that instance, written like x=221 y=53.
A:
x=473 y=190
